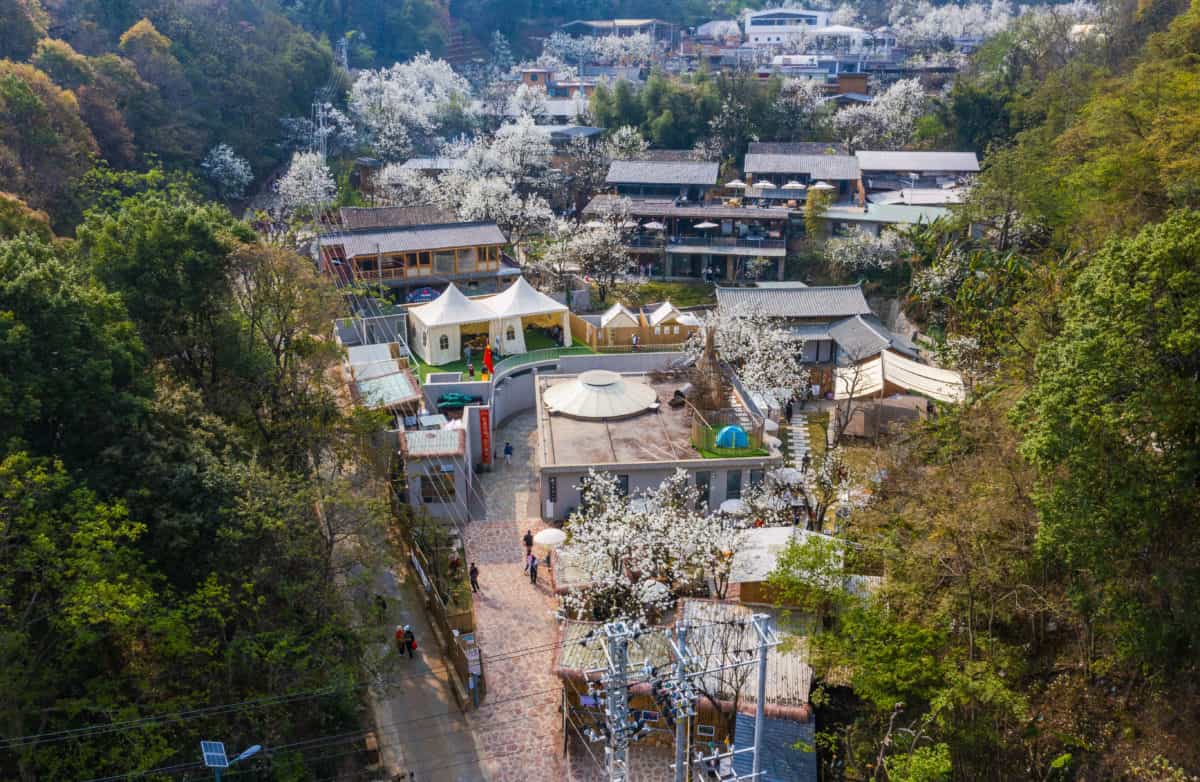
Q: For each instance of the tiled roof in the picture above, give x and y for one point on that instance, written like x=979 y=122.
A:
x=862 y=337
x=398 y=240
x=816 y=302
x=429 y=443
x=816 y=166
x=917 y=161
x=797 y=148
x=358 y=218
x=651 y=172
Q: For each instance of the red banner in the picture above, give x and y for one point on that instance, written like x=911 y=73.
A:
x=485 y=433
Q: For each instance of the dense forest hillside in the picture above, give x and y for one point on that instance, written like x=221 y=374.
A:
x=1039 y=545
x=131 y=82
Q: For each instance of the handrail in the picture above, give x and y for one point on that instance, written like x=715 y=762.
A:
x=506 y=366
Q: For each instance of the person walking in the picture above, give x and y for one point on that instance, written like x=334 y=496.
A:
x=787 y=411
x=380 y=607
x=528 y=542
x=533 y=566
x=805 y=462
x=473 y=572
x=508 y=452
x=406 y=640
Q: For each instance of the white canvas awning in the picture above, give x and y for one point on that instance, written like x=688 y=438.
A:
x=870 y=377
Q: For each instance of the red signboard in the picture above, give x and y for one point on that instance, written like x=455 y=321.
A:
x=485 y=433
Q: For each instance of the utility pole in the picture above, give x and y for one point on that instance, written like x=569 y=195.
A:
x=616 y=701
x=764 y=645
x=681 y=719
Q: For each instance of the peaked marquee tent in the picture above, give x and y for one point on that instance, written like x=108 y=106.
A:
x=521 y=305
x=438 y=327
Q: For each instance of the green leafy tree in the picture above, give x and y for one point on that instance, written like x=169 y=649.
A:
x=1111 y=423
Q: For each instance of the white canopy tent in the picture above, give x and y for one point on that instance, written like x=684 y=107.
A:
x=437 y=326
x=521 y=304
x=870 y=377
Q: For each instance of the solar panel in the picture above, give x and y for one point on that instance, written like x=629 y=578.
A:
x=214 y=754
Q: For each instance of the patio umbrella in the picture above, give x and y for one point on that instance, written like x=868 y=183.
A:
x=550 y=537
x=734 y=507
x=823 y=186
x=706 y=225
x=654 y=225
x=765 y=185
x=628 y=224
x=793 y=185
x=736 y=183
x=789 y=475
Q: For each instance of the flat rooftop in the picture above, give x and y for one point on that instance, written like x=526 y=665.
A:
x=662 y=436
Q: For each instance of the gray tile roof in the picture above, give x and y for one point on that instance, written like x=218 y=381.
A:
x=433 y=237
x=862 y=337
x=652 y=172
x=359 y=218
x=782 y=760
x=797 y=148
x=827 y=302
x=816 y=166
x=917 y=161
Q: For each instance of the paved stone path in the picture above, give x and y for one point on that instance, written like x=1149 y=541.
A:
x=519 y=728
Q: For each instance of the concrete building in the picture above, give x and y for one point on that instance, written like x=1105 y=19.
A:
x=622 y=424
x=776 y=27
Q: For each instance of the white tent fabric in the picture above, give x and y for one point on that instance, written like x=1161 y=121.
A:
x=517 y=301
x=870 y=377
x=436 y=333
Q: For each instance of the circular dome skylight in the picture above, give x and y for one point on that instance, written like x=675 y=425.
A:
x=599 y=394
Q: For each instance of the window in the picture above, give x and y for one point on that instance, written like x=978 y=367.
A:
x=733 y=485
x=553 y=489
x=650 y=716
x=756 y=477
x=657 y=330
x=467 y=259
x=444 y=342
x=510 y=334
x=703 y=481
x=533 y=77
x=438 y=487
x=623 y=485
x=708 y=731
x=425 y=338
x=674 y=329
x=443 y=262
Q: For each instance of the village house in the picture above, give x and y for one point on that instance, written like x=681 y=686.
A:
x=653 y=325
x=657 y=29
x=699 y=241
x=898 y=170
x=683 y=180
x=779 y=26
x=805 y=163
x=416 y=252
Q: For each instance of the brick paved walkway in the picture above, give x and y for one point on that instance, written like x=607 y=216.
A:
x=520 y=719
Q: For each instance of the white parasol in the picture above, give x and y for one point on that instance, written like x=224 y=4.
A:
x=765 y=185
x=736 y=183
x=550 y=537
x=654 y=225
x=706 y=225
x=793 y=185
x=823 y=186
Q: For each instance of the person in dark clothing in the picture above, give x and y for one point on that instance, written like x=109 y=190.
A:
x=508 y=453
x=471 y=371
x=804 y=463
x=787 y=411
x=528 y=542
x=533 y=566
x=380 y=607
x=406 y=640
x=474 y=573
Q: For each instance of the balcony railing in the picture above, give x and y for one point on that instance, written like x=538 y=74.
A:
x=728 y=241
